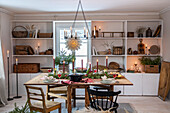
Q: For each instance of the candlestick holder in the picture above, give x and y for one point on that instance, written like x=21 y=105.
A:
x=9 y=99
x=16 y=97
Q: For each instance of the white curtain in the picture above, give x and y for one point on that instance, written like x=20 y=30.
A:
x=3 y=98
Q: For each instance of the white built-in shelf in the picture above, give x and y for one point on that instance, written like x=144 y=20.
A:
x=143 y=55
x=32 y=55
x=32 y=38
x=145 y=38
x=108 y=55
x=108 y=38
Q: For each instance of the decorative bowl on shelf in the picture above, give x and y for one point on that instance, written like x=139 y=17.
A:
x=79 y=70
x=76 y=77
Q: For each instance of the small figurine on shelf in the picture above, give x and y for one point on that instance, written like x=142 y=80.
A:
x=129 y=51
x=141 y=47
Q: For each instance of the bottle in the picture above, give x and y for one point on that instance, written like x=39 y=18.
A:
x=141 y=47
x=149 y=32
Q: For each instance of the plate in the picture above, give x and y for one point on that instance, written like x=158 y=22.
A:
x=108 y=82
x=50 y=81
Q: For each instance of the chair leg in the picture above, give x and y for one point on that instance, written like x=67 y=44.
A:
x=115 y=111
x=59 y=110
x=65 y=103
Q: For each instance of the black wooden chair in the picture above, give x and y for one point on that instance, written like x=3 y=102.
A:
x=103 y=100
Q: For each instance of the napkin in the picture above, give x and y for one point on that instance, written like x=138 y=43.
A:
x=67 y=82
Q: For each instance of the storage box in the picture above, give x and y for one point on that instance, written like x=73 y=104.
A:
x=27 y=68
x=152 y=68
x=45 y=35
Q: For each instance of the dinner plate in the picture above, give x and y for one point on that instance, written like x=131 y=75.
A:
x=50 y=81
x=108 y=82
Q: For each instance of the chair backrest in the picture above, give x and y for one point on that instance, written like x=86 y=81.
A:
x=103 y=100
x=35 y=94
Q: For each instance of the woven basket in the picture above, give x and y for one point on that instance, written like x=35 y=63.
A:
x=45 y=35
x=19 y=34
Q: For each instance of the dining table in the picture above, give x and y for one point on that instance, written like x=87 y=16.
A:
x=95 y=82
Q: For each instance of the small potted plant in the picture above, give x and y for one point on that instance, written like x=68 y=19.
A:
x=151 y=65
x=66 y=58
x=140 y=31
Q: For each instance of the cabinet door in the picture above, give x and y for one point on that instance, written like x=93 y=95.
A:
x=150 y=84
x=136 y=88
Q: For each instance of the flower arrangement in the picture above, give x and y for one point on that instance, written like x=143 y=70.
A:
x=63 y=57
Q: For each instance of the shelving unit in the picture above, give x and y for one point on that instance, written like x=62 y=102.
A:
x=45 y=26
x=125 y=60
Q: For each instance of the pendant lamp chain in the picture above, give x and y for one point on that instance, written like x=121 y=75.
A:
x=80 y=5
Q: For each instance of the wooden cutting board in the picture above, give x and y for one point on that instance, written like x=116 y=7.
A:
x=164 y=81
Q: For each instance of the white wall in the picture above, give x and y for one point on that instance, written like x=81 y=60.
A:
x=5 y=22
x=166 y=39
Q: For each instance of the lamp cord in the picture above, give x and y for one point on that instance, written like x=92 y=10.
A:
x=73 y=26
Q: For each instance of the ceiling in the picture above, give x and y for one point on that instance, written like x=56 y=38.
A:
x=118 y=6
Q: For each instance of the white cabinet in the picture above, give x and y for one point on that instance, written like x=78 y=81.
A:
x=119 y=88
x=22 y=78
x=136 y=88
x=150 y=84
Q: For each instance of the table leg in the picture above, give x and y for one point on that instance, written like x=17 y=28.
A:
x=87 y=102
x=69 y=99
x=111 y=89
x=74 y=96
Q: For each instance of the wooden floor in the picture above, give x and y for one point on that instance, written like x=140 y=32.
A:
x=140 y=103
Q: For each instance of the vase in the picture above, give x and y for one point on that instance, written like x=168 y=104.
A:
x=149 y=32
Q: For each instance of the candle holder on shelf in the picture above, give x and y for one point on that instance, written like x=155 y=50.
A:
x=136 y=68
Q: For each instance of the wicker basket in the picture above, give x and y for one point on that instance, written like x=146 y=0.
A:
x=152 y=68
x=45 y=35
x=102 y=52
x=27 y=68
x=118 y=50
x=19 y=34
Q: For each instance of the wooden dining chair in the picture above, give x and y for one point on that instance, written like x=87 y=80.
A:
x=103 y=100
x=37 y=101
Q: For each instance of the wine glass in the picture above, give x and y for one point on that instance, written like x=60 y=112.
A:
x=49 y=70
x=59 y=75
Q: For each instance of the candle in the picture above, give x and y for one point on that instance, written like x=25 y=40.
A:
x=16 y=61
x=82 y=64
x=89 y=66
x=71 y=30
x=87 y=34
x=106 y=61
x=38 y=45
x=53 y=62
x=135 y=63
x=63 y=66
x=97 y=64
x=75 y=34
x=94 y=31
x=146 y=50
x=146 y=45
x=64 y=33
x=36 y=50
x=73 y=65
x=8 y=53
x=99 y=28
x=84 y=32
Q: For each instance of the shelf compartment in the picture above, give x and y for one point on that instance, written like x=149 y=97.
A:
x=145 y=38
x=143 y=55
x=32 y=38
x=108 y=38
x=108 y=55
x=32 y=55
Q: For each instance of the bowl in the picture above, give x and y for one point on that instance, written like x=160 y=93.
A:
x=75 y=77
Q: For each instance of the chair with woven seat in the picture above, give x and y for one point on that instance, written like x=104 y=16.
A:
x=103 y=100
x=37 y=102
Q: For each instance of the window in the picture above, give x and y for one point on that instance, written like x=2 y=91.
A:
x=83 y=52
